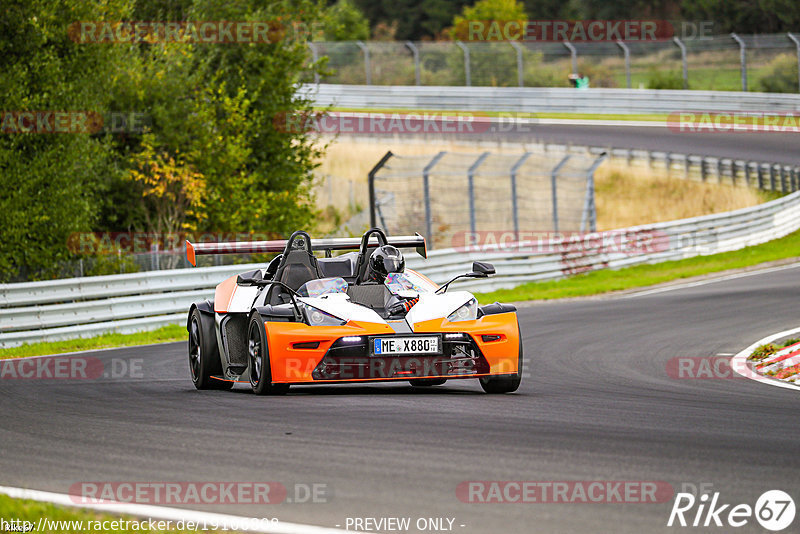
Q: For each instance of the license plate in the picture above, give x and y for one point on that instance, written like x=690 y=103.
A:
x=386 y=346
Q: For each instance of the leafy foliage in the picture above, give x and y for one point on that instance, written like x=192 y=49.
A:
x=345 y=22
x=780 y=75
x=209 y=158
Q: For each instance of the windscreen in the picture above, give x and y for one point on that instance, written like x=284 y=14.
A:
x=408 y=281
x=322 y=286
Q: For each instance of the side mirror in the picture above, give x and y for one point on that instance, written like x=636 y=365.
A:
x=481 y=269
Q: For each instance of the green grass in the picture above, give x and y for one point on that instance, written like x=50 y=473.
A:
x=32 y=511
x=162 y=335
x=550 y=115
x=599 y=282
x=700 y=79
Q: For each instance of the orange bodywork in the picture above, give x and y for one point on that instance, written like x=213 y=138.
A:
x=223 y=294
x=290 y=364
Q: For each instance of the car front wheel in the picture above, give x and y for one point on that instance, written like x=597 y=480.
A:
x=259 y=363
x=204 y=362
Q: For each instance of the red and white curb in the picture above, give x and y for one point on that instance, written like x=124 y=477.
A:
x=222 y=522
x=783 y=359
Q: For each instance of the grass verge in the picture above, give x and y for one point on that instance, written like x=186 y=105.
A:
x=655 y=117
x=162 y=335
x=63 y=519
x=599 y=282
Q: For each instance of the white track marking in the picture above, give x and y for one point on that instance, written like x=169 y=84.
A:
x=739 y=362
x=174 y=514
x=709 y=281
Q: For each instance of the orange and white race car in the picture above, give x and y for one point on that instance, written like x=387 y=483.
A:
x=357 y=317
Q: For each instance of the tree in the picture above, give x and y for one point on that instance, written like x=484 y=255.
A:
x=344 y=21
x=483 y=12
x=51 y=183
x=172 y=190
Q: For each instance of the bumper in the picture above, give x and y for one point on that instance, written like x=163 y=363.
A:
x=470 y=349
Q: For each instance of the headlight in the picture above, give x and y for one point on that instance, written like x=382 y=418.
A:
x=467 y=312
x=317 y=317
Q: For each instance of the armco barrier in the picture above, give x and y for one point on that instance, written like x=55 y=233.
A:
x=81 y=307
x=545 y=99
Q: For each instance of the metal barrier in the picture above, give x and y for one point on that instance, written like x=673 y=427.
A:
x=454 y=192
x=82 y=307
x=670 y=62
x=546 y=99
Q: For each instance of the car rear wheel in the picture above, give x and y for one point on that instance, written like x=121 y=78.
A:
x=507 y=383
x=204 y=362
x=425 y=382
x=259 y=364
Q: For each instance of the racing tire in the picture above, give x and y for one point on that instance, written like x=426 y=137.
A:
x=425 y=382
x=259 y=370
x=506 y=383
x=204 y=359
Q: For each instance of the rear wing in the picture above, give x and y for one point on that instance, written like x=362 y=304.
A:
x=416 y=241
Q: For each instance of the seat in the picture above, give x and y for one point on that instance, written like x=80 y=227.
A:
x=341 y=266
x=297 y=266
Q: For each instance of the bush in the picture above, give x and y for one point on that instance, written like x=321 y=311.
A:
x=780 y=76
x=763 y=351
x=662 y=79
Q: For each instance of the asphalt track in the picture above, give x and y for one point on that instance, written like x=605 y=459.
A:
x=752 y=146
x=763 y=146
x=597 y=404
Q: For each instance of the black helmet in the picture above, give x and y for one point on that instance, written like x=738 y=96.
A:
x=384 y=260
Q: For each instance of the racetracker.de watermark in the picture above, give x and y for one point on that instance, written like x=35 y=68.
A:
x=564 y=492
x=347 y=122
x=704 y=368
x=733 y=122
x=194 y=32
x=141 y=242
x=576 y=31
x=70 y=368
x=627 y=242
x=198 y=492
x=549 y=242
x=72 y=122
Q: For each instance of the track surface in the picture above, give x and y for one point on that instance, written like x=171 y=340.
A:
x=763 y=147
x=597 y=405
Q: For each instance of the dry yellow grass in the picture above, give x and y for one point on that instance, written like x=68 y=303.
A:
x=629 y=196
x=625 y=196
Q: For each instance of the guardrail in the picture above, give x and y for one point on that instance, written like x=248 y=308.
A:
x=546 y=99
x=82 y=307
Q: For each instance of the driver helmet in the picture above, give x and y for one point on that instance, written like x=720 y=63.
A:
x=384 y=260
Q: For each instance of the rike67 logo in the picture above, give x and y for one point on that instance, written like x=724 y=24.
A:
x=774 y=510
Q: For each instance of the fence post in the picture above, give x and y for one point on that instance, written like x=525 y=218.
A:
x=415 y=51
x=684 y=62
x=520 y=66
x=471 y=182
x=589 y=210
x=573 y=54
x=367 y=69
x=747 y=172
x=467 y=73
x=627 y=53
x=742 y=59
x=371 y=182
x=427 y=193
x=760 y=170
x=797 y=46
x=314 y=59
x=514 y=206
x=554 y=191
